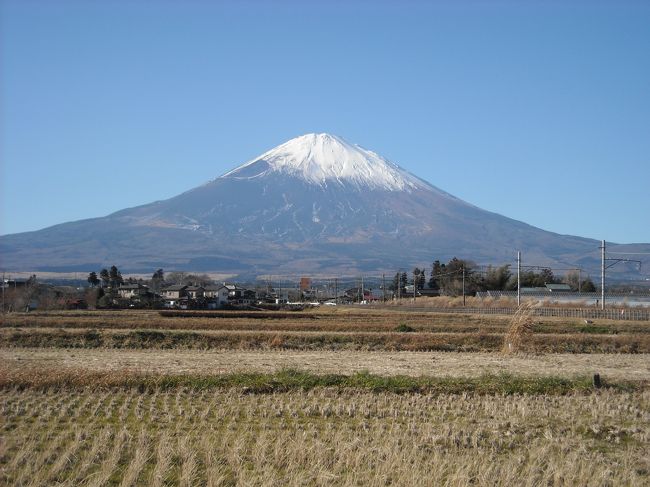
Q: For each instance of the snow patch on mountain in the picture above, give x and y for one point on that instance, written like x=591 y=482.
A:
x=323 y=159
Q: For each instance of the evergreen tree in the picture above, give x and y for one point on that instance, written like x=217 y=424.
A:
x=93 y=280
x=105 y=277
x=436 y=270
x=394 y=285
x=157 y=280
x=419 y=278
x=115 y=276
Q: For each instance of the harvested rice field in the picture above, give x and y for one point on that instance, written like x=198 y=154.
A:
x=333 y=397
x=322 y=437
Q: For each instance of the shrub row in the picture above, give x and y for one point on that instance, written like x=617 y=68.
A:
x=396 y=341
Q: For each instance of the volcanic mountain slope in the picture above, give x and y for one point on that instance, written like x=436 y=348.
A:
x=314 y=204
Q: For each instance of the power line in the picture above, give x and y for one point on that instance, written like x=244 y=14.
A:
x=628 y=253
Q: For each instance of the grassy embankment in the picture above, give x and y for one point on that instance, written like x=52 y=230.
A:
x=338 y=330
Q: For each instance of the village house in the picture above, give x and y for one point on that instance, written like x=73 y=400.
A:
x=356 y=294
x=240 y=295
x=175 y=292
x=195 y=292
x=132 y=290
x=217 y=296
x=176 y=296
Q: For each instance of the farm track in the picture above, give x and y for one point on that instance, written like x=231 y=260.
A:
x=437 y=364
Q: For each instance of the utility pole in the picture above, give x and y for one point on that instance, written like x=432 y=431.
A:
x=336 y=290
x=463 y=285
x=518 y=278
x=604 y=266
x=399 y=286
x=383 y=287
x=414 y=284
x=363 y=295
x=602 y=275
x=579 y=280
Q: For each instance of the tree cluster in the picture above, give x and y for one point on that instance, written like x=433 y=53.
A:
x=577 y=283
x=450 y=278
x=454 y=276
x=107 y=278
x=185 y=278
x=399 y=282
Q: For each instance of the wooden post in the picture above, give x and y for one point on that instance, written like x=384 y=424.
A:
x=597 y=382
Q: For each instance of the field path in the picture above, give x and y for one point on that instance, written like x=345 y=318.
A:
x=614 y=366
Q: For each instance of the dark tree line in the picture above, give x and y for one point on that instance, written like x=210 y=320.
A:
x=107 y=278
x=112 y=278
x=448 y=278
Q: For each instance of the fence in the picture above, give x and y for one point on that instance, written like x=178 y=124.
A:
x=586 y=313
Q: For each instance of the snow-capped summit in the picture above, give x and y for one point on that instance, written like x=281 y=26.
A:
x=323 y=159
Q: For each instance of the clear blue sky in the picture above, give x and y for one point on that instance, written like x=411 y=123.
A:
x=539 y=111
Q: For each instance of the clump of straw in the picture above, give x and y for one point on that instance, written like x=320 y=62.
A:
x=520 y=329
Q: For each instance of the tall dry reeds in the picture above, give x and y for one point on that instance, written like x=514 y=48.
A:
x=520 y=330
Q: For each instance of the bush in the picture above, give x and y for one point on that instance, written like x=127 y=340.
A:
x=105 y=301
x=403 y=328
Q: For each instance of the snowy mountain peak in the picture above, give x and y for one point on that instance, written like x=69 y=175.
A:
x=324 y=159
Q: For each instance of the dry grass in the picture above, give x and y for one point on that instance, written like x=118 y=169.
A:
x=341 y=319
x=453 y=302
x=323 y=437
x=438 y=364
x=298 y=340
x=134 y=398
x=502 y=302
x=520 y=330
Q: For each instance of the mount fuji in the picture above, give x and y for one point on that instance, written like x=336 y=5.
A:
x=315 y=204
